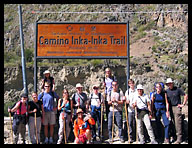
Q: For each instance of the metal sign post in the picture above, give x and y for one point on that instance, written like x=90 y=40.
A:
x=23 y=61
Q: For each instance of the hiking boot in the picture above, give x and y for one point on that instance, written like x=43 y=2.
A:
x=177 y=142
x=154 y=142
x=46 y=140
x=59 y=141
x=110 y=141
x=122 y=140
x=89 y=142
x=166 y=141
x=50 y=140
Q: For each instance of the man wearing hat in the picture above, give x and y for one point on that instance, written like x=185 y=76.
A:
x=82 y=130
x=49 y=79
x=79 y=100
x=142 y=102
x=174 y=97
x=19 y=119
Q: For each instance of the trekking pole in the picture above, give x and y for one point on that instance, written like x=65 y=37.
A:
x=101 y=119
x=64 y=132
x=79 y=103
x=136 y=125
x=113 y=121
x=36 y=128
x=102 y=108
x=127 y=123
x=11 y=128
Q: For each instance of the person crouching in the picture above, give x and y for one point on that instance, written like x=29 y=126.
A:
x=82 y=129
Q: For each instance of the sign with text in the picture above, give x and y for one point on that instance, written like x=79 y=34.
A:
x=81 y=39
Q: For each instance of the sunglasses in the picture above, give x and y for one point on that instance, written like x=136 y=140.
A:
x=47 y=86
x=96 y=88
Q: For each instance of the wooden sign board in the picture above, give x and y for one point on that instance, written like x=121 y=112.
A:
x=81 y=40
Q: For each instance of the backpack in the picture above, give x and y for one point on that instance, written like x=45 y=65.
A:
x=73 y=98
x=67 y=111
x=99 y=96
x=117 y=92
x=12 y=113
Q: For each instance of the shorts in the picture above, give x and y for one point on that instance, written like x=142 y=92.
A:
x=83 y=138
x=49 y=118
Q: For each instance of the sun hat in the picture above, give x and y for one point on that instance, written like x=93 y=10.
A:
x=46 y=71
x=95 y=85
x=139 y=86
x=24 y=95
x=79 y=110
x=78 y=85
x=169 y=80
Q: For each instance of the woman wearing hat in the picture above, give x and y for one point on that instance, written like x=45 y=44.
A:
x=49 y=79
x=142 y=102
x=82 y=130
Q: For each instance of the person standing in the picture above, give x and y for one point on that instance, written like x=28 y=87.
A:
x=49 y=117
x=129 y=94
x=64 y=107
x=115 y=98
x=35 y=106
x=19 y=119
x=95 y=101
x=174 y=97
x=108 y=79
x=49 y=79
x=161 y=109
x=79 y=100
x=142 y=102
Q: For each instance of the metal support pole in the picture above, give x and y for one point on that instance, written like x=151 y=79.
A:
x=22 y=52
x=35 y=62
x=128 y=57
x=23 y=62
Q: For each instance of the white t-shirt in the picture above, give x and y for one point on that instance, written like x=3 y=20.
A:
x=130 y=98
x=94 y=98
x=141 y=101
x=117 y=107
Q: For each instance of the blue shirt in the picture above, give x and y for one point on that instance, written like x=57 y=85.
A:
x=48 y=100
x=159 y=100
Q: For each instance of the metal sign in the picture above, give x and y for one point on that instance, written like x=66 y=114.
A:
x=81 y=40
x=85 y=40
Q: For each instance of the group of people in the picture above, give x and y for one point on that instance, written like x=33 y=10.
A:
x=84 y=112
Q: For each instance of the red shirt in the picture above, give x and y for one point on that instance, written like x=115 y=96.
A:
x=23 y=108
x=78 y=126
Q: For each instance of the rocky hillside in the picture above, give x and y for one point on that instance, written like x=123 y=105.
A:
x=158 y=46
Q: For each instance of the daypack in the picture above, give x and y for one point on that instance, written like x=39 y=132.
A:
x=67 y=111
x=12 y=113
x=99 y=96
x=117 y=92
x=73 y=98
